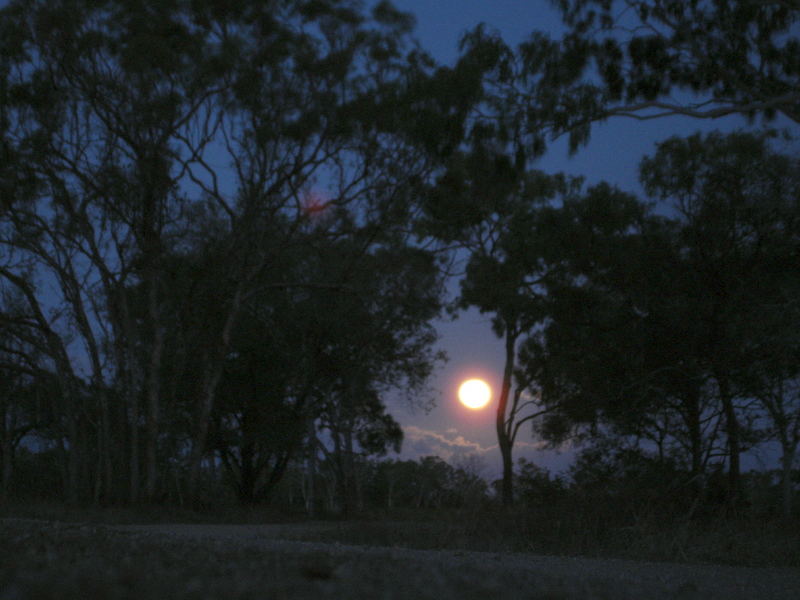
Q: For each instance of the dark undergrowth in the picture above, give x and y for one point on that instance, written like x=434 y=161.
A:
x=738 y=541
x=143 y=513
x=588 y=529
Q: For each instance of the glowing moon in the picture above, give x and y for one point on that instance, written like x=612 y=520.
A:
x=474 y=393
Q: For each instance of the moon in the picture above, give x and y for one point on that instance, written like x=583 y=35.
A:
x=474 y=393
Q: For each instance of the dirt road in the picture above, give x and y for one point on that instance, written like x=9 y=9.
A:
x=248 y=561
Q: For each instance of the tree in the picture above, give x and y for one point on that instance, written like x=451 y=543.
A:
x=325 y=332
x=488 y=206
x=646 y=59
x=258 y=421
x=737 y=198
x=27 y=388
x=780 y=397
x=536 y=486
x=774 y=378
x=128 y=124
x=660 y=339
x=373 y=335
x=106 y=99
x=608 y=352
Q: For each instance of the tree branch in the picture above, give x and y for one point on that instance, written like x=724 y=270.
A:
x=670 y=109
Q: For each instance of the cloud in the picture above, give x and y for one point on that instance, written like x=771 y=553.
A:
x=424 y=442
x=530 y=445
x=453 y=447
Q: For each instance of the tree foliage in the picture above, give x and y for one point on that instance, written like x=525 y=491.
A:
x=487 y=205
x=645 y=59
x=169 y=167
x=677 y=316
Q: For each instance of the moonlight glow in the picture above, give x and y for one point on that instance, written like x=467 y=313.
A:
x=474 y=393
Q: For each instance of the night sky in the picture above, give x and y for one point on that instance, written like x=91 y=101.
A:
x=613 y=155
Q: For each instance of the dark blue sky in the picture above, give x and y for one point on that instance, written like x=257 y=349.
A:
x=613 y=155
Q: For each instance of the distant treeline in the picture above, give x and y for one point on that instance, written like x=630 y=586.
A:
x=633 y=484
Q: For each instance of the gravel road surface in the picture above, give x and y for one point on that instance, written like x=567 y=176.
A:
x=58 y=560
x=436 y=573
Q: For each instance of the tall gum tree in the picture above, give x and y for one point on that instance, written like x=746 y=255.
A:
x=621 y=349
x=666 y=328
x=736 y=198
x=499 y=214
x=348 y=119
x=129 y=117
x=107 y=97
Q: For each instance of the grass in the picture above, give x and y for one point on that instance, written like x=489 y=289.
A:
x=740 y=542
x=142 y=514
x=574 y=530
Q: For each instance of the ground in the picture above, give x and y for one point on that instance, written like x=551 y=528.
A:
x=46 y=559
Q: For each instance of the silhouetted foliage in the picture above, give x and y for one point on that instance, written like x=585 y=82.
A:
x=659 y=333
x=164 y=167
x=642 y=59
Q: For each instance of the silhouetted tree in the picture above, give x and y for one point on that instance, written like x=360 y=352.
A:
x=645 y=59
x=135 y=133
x=374 y=335
x=737 y=201
x=489 y=206
x=658 y=333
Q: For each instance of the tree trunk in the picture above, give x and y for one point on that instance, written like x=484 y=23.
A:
x=123 y=346
x=692 y=407
x=311 y=471
x=153 y=392
x=103 y=477
x=208 y=392
x=348 y=476
x=338 y=462
x=787 y=489
x=132 y=397
x=277 y=472
x=691 y=416
x=73 y=461
x=247 y=474
x=200 y=436
x=134 y=450
x=734 y=444
x=64 y=467
x=503 y=435
x=108 y=449
x=8 y=465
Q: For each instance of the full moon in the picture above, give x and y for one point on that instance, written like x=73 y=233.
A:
x=474 y=393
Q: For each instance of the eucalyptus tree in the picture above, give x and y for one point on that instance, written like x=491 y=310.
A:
x=773 y=378
x=778 y=393
x=737 y=201
x=377 y=339
x=622 y=350
x=343 y=120
x=341 y=317
x=128 y=119
x=103 y=96
x=487 y=205
x=27 y=387
x=646 y=59
x=37 y=330
x=673 y=335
